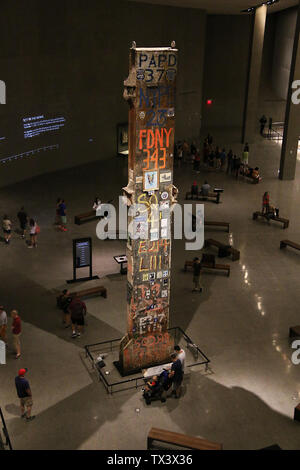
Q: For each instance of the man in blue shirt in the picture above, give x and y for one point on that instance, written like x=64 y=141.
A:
x=63 y=215
x=25 y=395
x=176 y=375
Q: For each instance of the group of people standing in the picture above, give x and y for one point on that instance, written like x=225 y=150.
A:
x=74 y=312
x=26 y=223
x=15 y=329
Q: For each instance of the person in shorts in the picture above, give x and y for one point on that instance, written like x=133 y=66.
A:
x=23 y=219
x=16 y=331
x=77 y=309
x=25 y=395
x=7 y=224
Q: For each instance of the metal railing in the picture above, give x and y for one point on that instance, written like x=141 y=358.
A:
x=139 y=381
x=6 y=441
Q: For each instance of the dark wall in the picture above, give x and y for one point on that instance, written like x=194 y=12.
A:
x=69 y=58
x=226 y=58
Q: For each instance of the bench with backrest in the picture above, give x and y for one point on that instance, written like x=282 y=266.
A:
x=235 y=254
x=285 y=243
x=201 y=197
x=206 y=265
x=285 y=222
x=181 y=440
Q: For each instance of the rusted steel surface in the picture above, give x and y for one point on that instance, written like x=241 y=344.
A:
x=150 y=92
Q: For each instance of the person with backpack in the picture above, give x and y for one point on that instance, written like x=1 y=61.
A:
x=77 y=310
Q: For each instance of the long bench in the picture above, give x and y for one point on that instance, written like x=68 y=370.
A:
x=87 y=216
x=181 y=440
x=217 y=224
x=285 y=243
x=217 y=267
x=285 y=222
x=88 y=292
x=294 y=331
x=200 y=197
x=235 y=254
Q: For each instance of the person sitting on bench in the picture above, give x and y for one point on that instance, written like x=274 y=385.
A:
x=272 y=212
x=194 y=189
x=205 y=188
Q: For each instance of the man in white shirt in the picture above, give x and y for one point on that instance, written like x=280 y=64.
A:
x=3 y=324
x=180 y=355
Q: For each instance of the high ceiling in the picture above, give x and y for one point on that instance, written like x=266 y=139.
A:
x=229 y=7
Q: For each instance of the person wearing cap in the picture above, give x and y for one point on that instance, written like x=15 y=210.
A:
x=3 y=324
x=25 y=395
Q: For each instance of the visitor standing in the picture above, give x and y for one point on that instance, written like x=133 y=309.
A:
x=63 y=215
x=197 y=273
x=263 y=121
x=245 y=157
x=57 y=220
x=23 y=219
x=16 y=331
x=3 y=324
x=181 y=356
x=77 y=309
x=34 y=230
x=25 y=395
x=7 y=224
x=176 y=375
x=265 y=203
x=229 y=161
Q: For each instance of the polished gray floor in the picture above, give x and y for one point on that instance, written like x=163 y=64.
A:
x=246 y=401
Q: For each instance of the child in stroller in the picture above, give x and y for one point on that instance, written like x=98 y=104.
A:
x=156 y=386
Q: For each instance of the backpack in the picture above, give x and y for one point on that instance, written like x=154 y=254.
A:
x=208 y=259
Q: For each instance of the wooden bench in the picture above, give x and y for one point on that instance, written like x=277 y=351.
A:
x=285 y=243
x=235 y=254
x=88 y=292
x=217 y=224
x=218 y=267
x=285 y=222
x=297 y=413
x=181 y=440
x=200 y=197
x=294 y=331
x=87 y=216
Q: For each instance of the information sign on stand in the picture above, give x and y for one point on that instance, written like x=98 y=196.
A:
x=82 y=258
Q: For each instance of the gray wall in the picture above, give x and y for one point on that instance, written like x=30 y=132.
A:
x=283 y=49
x=226 y=59
x=69 y=58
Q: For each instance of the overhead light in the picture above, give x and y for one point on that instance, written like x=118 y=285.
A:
x=251 y=9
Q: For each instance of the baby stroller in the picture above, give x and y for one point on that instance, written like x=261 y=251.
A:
x=272 y=212
x=156 y=386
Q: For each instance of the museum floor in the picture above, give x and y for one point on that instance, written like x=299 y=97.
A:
x=246 y=401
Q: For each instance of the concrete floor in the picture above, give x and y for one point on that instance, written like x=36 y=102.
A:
x=247 y=400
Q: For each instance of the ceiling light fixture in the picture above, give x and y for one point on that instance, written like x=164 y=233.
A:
x=251 y=9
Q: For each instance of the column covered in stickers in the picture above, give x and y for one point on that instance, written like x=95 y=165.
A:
x=150 y=91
